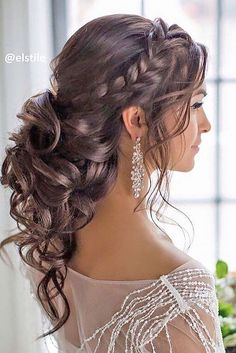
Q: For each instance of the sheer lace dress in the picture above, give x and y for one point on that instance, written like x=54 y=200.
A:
x=176 y=313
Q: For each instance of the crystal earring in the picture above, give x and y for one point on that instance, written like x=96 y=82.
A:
x=137 y=173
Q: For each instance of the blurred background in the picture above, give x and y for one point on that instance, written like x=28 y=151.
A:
x=207 y=194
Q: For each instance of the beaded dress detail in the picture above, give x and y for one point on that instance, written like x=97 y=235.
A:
x=176 y=313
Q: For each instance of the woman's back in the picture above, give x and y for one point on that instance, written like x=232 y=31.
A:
x=180 y=308
x=146 y=257
x=138 y=250
x=104 y=292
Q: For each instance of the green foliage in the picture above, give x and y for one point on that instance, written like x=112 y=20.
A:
x=225 y=330
x=226 y=309
x=221 y=269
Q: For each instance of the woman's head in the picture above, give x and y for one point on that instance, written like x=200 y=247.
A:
x=67 y=152
x=184 y=146
x=135 y=62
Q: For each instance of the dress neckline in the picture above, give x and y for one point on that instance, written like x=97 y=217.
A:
x=105 y=281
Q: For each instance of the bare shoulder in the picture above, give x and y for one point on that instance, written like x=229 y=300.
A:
x=162 y=254
x=167 y=257
x=147 y=259
x=142 y=255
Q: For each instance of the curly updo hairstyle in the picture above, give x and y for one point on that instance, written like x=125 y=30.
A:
x=66 y=152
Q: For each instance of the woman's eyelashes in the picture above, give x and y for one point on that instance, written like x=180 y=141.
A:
x=197 y=105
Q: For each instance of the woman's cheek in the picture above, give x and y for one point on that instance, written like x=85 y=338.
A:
x=192 y=128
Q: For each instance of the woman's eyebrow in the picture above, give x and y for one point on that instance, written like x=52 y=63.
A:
x=201 y=91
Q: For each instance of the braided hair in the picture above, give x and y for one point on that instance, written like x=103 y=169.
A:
x=66 y=152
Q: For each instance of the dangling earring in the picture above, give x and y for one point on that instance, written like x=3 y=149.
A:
x=137 y=173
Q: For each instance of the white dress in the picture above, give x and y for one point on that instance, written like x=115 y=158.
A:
x=176 y=313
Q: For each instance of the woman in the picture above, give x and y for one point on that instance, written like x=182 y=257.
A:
x=126 y=100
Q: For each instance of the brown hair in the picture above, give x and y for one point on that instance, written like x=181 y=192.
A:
x=65 y=154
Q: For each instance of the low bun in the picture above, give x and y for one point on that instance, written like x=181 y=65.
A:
x=65 y=156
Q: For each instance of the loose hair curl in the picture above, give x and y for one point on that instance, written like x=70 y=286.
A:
x=65 y=154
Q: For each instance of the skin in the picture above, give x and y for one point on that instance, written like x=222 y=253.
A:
x=116 y=234
x=183 y=160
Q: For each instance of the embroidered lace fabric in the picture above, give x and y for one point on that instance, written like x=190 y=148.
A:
x=177 y=313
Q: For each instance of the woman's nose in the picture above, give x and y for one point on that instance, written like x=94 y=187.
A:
x=206 y=125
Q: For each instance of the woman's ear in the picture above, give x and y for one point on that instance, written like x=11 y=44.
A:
x=134 y=121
